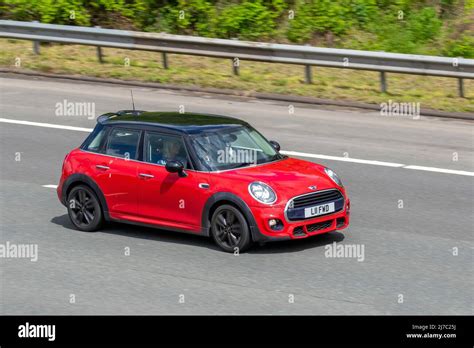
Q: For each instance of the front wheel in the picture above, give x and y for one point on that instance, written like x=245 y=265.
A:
x=230 y=229
x=84 y=209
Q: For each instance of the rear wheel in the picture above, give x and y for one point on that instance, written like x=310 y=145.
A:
x=230 y=229
x=84 y=209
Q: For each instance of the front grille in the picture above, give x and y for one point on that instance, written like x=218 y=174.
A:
x=295 y=210
x=319 y=226
x=316 y=198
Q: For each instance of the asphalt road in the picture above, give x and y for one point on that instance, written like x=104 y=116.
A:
x=409 y=251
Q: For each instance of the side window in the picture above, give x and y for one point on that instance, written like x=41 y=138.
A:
x=97 y=141
x=160 y=148
x=123 y=143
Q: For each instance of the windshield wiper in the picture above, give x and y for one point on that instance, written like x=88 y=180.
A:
x=275 y=157
x=240 y=165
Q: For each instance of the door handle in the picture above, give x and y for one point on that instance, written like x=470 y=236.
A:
x=100 y=166
x=144 y=175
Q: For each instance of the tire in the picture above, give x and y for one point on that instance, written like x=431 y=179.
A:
x=84 y=209
x=230 y=229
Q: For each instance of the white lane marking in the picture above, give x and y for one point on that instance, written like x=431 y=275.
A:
x=292 y=153
x=440 y=170
x=343 y=159
x=378 y=163
x=50 y=186
x=46 y=125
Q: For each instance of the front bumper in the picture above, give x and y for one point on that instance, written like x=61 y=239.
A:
x=301 y=228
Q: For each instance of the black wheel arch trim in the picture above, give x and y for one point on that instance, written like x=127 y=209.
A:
x=84 y=179
x=257 y=236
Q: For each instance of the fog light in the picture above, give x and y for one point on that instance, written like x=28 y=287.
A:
x=275 y=224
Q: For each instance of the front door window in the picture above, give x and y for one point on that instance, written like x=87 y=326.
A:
x=161 y=148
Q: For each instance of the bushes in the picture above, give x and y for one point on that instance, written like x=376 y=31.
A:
x=405 y=32
x=247 y=19
x=73 y=12
x=463 y=47
x=319 y=17
x=47 y=11
x=250 y=20
x=423 y=25
x=192 y=17
x=411 y=26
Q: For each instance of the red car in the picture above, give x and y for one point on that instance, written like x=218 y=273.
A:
x=203 y=174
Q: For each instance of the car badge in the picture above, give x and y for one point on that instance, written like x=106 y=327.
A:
x=314 y=187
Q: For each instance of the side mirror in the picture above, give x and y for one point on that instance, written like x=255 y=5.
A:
x=175 y=167
x=275 y=145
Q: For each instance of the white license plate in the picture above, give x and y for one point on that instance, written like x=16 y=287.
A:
x=319 y=210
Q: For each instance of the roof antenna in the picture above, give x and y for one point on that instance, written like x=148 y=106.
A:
x=133 y=103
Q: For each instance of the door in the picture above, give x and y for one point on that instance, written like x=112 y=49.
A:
x=114 y=169
x=166 y=198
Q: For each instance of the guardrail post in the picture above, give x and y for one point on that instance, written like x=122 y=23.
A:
x=308 y=75
x=235 y=62
x=235 y=66
x=164 y=59
x=308 y=78
x=383 y=82
x=36 y=44
x=100 y=56
x=36 y=47
x=461 y=87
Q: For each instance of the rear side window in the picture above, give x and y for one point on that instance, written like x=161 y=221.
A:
x=98 y=139
x=123 y=143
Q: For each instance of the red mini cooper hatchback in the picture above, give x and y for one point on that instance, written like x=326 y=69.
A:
x=203 y=174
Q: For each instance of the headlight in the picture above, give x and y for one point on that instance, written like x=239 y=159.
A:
x=333 y=176
x=262 y=192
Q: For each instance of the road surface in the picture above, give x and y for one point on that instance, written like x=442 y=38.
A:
x=416 y=224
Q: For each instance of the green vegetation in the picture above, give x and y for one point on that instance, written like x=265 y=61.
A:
x=437 y=27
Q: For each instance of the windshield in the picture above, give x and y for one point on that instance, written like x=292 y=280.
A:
x=232 y=148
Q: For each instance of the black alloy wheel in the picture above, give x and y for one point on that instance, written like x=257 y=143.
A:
x=84 y=209
x=230 y=229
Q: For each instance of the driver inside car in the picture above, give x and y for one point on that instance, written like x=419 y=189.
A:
x=173 y=151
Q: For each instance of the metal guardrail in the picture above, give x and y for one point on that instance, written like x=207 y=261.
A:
x=235 y=50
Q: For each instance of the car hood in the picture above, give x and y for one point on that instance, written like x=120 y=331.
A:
x=289 y=177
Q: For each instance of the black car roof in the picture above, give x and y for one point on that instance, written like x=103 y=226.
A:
x=191 y=123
